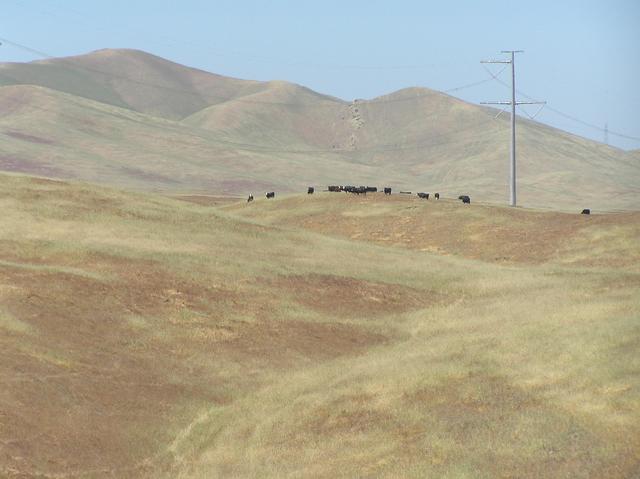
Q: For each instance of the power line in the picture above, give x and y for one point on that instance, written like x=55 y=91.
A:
x=571 y=117
x=513 y=104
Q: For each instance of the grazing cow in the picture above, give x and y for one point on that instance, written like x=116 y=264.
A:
x=250 y=199
x=437 y=196
x=357 y=190
x=335 y=189
x=423 y=195
x=586 y=211
x=310 y=190
x=387 y=191
x=372 y=189
x=465 y=199
x=271 y=194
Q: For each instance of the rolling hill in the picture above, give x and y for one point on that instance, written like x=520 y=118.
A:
x=130 y=79
x=313 y=336
x=127 y=118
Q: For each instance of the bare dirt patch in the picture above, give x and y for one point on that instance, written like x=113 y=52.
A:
x=343 y=296
x=88 y=383
x=284 y=343
x=482 y=232
x=85 y=386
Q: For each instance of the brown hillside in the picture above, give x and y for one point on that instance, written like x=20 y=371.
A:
x=484 y=232
x=238 y=136
x=145 y=337
x=131 y=79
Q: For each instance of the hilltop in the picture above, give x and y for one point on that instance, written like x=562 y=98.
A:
x=129 y=79
x=323 y=336
x=130 y=119
x=490 y=233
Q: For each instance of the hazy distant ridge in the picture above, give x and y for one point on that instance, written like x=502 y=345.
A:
x=128 y=118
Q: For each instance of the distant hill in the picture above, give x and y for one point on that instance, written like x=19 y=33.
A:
x=131 y=119
x=130 y=79
x=49 y=133
x=280 y=115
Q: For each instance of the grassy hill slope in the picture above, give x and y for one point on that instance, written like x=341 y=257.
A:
x=484 y=232
x=149 y=337
x=283 y=115
x=130 y=79
x=131 y=119
x=49 y=133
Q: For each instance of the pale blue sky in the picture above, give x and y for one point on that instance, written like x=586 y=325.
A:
x=583 y=57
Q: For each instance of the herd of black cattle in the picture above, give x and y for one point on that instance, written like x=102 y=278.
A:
x=363 y=190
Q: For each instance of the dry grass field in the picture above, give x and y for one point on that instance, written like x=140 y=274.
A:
x=132 y=120
x=313 y=336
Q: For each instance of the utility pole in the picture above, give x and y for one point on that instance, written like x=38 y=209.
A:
x=513 y=104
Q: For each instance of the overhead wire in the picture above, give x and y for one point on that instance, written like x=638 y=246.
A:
x=566 y=115
x=254 y=147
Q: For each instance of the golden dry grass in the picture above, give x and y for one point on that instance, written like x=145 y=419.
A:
x=144 y=336
x=129 y=119
x=447 y=227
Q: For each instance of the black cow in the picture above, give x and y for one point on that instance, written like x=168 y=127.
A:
x=334 y=188
x=437 y=196
x=465 y=199
x=372 y=189
x=387 y=191
x=271 y=194
x=423 y=195
x=250 y=199
x=357 y=190
x=310 y=190
x=586 y=211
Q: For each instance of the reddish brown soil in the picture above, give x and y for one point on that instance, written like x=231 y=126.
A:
x=472 y=231
x=91 y=392
x=349 y=297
